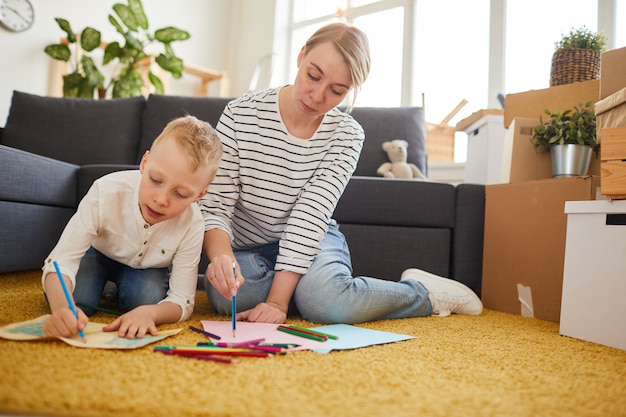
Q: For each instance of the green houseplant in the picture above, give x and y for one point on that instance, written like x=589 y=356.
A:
x=84 y=77
x=577 y=56
x=570 y=137
x=134 y=75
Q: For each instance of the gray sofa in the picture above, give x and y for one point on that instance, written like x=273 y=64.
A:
x=52 y=149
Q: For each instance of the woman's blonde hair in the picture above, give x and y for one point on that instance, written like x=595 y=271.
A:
x=197 y=139
x=352 y=44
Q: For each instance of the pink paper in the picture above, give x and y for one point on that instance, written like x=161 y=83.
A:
x=250 y=331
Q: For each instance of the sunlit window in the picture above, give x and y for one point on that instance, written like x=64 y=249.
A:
x=529 y=50
x=384 y=84
x=447 y=43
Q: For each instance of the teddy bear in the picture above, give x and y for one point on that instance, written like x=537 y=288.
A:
x=398 y=167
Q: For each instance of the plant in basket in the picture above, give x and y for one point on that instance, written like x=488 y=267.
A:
x=577 y=56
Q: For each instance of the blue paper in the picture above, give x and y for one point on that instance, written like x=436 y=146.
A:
x=352 y=337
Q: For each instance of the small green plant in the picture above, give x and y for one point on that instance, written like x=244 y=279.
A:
x=582 y=38
x=131 y=23
x=563 y=128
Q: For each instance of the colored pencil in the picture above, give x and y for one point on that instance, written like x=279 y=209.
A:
x=301 y=333
x=247 y=343
x=315 y=332
x=68 y=298
x=234 y=302
x=204 y=332
x=306 y=331
x=98 y=308
x=222 y=352
x=194 y=356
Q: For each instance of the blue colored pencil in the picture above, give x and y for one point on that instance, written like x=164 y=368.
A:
x=234 y=303
x=68 y=298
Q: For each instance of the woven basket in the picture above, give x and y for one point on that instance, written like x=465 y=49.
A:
x=573 y=65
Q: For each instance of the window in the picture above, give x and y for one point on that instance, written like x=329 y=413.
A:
x=530 y=38
x=384 y=86
x=435 y=53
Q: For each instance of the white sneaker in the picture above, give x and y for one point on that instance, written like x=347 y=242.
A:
x=446 y=295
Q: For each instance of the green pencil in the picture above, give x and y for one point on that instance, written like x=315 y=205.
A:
x=301 y=334
x=330 y=336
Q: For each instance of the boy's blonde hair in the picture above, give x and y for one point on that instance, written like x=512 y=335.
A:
x=352 y=44
x=198 y=141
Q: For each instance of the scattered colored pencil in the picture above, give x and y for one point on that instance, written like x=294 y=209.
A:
x=315 y=332
x=68 y=297
x=204 y=332
x=301 y=333
x=234 y=303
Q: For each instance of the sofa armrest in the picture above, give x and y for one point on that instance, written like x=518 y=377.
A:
x=87 y=174
x=34 y=179
x=467 y=252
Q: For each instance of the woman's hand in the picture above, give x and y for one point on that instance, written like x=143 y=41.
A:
x=136 y=323
x=62 y=323
x=223 y=277
x=264 y=313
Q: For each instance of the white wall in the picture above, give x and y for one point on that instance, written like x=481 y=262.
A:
x=225 y=36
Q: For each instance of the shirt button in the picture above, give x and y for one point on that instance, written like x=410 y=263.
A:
x=140 y=255
x=163 y=251
x=145 y=242
x=145 y=226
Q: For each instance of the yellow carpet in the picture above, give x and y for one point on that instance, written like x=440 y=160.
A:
x=496 y=364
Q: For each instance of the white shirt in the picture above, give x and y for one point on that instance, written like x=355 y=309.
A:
x=109 y=219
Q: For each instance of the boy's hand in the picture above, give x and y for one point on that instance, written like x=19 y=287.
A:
x=135 y=324
x=62 y=323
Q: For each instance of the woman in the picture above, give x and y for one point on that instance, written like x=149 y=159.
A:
x=288 y=155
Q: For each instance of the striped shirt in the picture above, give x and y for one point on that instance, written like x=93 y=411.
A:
x=274 y=187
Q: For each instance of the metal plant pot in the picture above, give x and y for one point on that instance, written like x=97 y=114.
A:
x=570 y=160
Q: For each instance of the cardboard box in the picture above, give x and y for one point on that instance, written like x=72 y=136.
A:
x=613 y=156
x=476 y=116
x=520 y=161
x=612 y=70
x=594 y=283
x=531 y=104
x=611 y=112
x=524 y=244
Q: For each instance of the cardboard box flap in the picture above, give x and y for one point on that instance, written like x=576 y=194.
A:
x=611 y=102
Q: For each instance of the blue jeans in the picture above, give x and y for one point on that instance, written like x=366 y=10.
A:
x=327 y=293
x=135 y=287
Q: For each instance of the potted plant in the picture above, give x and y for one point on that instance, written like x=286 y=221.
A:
x=84 y=77
x=577 y=56
x=134 y=76
x=570 y=137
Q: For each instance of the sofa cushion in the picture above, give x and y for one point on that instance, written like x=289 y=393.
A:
x=397 y=202
x=382 y=124
x=76 y=130
x=35 y=179
x=386 y=251
x=161 y=109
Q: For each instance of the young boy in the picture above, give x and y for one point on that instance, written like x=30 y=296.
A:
x=130 y=228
